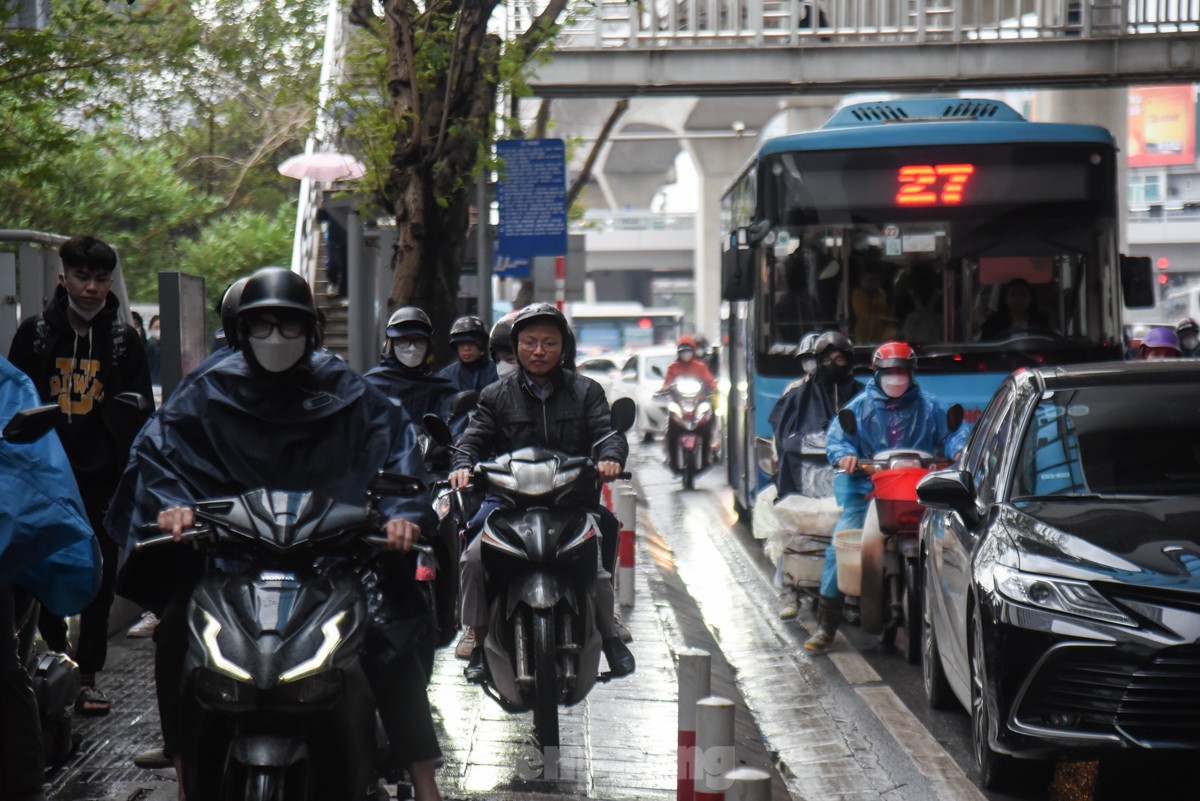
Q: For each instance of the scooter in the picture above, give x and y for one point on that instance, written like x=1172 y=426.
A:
x=891 y=575
x=690 y=428
x=283 y=709
x=540 y=554
x=55 y=676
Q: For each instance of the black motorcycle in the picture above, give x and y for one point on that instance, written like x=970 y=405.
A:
x=275 y=669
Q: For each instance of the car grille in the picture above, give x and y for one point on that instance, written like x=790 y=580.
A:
x=1154 y=701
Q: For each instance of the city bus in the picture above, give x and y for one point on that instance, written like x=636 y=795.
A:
x=913 y=219
x=609 y=326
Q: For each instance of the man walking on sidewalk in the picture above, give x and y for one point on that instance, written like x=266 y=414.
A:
x=81 y=355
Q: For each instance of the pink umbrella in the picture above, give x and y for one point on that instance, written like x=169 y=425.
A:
x=323 y=167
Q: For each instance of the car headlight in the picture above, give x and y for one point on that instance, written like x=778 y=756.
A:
x=324 y=655
x=212 y=651
x=1057 y=594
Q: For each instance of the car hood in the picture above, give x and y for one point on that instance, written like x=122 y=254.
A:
x=1151 y=541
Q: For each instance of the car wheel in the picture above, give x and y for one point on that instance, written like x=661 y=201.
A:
x=994 y=768
x=937 y=688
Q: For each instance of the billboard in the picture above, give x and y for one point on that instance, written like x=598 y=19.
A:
x=1162 y=125
x=532 y=197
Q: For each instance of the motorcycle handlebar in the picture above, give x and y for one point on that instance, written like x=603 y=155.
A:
x=155 y=536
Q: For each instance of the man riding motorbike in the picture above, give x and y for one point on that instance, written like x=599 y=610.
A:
x=685 y=365
x=46 y=548
x=283 y=413
x=892 y=413
x=473 y=370
x=404 y=374
x=805 y=407
x=546 y=406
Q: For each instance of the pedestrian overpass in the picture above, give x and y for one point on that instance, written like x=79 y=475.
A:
x=779 y=47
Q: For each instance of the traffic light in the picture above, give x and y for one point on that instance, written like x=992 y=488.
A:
x=1162 y=263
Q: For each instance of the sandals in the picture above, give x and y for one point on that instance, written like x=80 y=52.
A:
x=92 y=702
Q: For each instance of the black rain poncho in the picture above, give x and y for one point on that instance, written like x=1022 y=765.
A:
x=799 y=420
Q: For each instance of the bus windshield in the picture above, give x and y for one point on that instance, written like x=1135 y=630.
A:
x=993 y=255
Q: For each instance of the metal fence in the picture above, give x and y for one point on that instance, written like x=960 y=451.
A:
x=605 y=24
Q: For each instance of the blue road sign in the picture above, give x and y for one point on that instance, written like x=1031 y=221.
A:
x=532 y=196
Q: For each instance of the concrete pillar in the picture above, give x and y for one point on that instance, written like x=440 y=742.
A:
x=1106 y=107
x=717 y=162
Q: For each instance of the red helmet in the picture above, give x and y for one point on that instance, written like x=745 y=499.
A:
x=686 y=341
x=894 y=354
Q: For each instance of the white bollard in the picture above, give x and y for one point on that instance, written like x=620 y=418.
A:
x=606 y=495
x=626 y=512
x=714 y=747
x=748 y=784
x=695 y=682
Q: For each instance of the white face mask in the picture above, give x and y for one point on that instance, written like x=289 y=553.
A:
x=894 y=385
x=84 y=313
x=685 y=355
x=505 y=369
x=1189 y=341
x=276 y=353
x=410 y=354
x=809 y=364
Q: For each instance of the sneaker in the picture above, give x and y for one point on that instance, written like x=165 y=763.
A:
x=144 y=627
x=154 y=759
x=331 y=290
x=819 y=642
x=92 y=702
x=466 y=644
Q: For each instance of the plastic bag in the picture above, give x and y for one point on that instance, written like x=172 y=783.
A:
x=764 y=520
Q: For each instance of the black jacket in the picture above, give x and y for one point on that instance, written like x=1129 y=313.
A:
x=84 y=374
x=476 y=375
x=510 y=416
x=417 y=390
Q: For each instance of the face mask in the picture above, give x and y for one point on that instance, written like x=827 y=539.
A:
x=410 y=354
x=894 y=385
x=276 y=353
x=505 y=369
x=154 y=333
x=809 y=364
x=84 y=313
x=685 y=355
x=1189 y=341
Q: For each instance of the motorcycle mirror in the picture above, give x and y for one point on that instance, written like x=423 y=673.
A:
x=134 y=400
x=462 y=403
x=954 y=417
x=385 y=483
x=30 y=425
x=848 y=421
x=437 y=428
x=624 y=412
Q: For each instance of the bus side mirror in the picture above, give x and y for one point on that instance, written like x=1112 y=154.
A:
x=737 y=272
x=1137 y=282
x=848 y=422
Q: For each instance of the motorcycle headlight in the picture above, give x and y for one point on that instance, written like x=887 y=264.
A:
x=320 y=688
x=675 y=409
x=214 y=659
x=1058 y=595
x=705 y=408
x=324 y=655
x=213 y=687
x=566 y=477
x=503 y=481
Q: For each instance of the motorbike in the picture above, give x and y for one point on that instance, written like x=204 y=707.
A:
x=690 y=428
x=55 y=676
x=890 y=548
x=540 y=554
x=274 y=671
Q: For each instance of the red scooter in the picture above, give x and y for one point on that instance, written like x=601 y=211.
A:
x=689 y=428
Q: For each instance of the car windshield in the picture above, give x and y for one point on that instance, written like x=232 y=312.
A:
x=656 y=366
x=1141 y=440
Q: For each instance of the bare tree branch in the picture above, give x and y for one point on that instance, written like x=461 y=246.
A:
x=585 y=172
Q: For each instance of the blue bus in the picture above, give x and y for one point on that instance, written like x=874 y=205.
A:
x=914 y=219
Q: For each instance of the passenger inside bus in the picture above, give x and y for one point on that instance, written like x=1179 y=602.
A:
x=918 y=297
x=1018 y=312
x=873 y=320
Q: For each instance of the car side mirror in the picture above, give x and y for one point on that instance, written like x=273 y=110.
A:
x=30 y=425
x=951 y=490
x=624 y=412
x=135 y=401
x=1137 y=282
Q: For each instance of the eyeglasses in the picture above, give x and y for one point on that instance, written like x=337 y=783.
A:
x=288 y=329
x=531 y=345
x=839 y=360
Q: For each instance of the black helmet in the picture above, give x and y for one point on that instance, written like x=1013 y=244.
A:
x=547 y=313
x=469 y=329
x=229 y=310
x=277 y=288
x=836 y=341
x=501 y=338
x=407 y=321
x=1186 y=324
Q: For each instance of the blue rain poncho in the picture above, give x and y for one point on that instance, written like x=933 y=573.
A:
x=914 y=421
x=46 y=543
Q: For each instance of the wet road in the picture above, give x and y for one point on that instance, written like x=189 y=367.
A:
x=850 y=725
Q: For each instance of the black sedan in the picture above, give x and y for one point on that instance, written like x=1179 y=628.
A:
x=1061 y=564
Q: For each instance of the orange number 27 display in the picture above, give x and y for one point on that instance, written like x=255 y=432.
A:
x=933 y=185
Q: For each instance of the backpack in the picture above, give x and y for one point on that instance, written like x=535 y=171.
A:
x=41 y=336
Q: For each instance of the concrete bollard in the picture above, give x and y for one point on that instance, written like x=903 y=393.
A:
x=748 y=784
x=695 y=682
x=714 y=747
x=626 y=512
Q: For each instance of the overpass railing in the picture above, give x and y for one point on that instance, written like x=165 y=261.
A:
x=607 y=24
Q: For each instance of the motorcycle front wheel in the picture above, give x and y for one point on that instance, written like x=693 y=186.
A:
x=545 y=681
